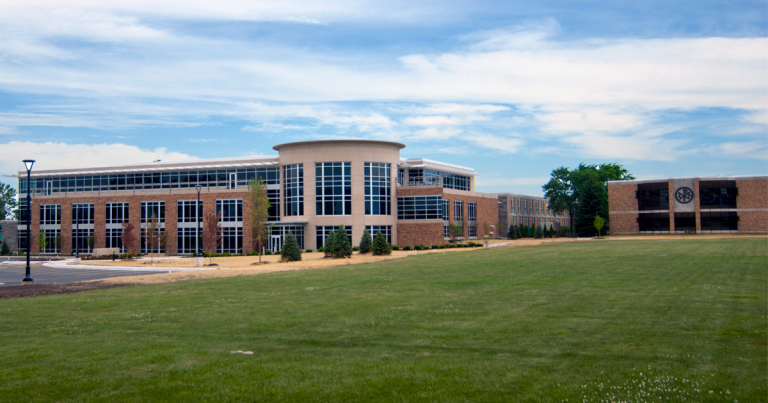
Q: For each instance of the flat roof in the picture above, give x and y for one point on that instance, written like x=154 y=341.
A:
x=338 y=141
x=235 y=162
x=705 y=178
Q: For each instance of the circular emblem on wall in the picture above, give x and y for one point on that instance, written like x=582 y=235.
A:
x=684 y=195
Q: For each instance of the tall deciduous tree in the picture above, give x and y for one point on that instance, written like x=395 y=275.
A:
x=8 y=201
x=257 y=219
x=592 y=202
x=42 y=241
x=128 y=236
x=567 y=186
x=153 y=236
x=212 y=233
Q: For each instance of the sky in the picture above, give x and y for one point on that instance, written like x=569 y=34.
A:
x=511 y=89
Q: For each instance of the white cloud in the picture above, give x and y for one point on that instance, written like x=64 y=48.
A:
x=503 y=144
x=757 y=149
x=63 y=155
x=757 y=117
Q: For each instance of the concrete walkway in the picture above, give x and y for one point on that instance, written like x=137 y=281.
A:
x=68 y=264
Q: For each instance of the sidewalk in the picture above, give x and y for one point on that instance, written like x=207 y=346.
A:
x=67 y=264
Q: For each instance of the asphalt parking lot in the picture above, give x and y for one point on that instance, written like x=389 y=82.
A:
x=12 y=274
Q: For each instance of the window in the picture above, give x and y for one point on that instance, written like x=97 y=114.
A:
x=472 y=215
x=81 y=239
x=525 y=206
x=377 y=189
x=333 y=188
x=458 y=216
x=293 y=189
x=231 y=240
x=82 y=213
x=429 y=177
x=283 y=230
x=187 y=213
x=50 y=214
x=685 y=222
x=653 y=221
x=117 y=213
x=114 y=239
x=22 y=239
x=653 y=196
x=274 y=204
x=719 y=221
x=231 y=210
x=152 y=209
x=322 y=232
x=446 y=218
x=82 y=227
x=145 y=246
x=717 y=194
x=512 y=210
x=232 y=223
x=53 y=238
x=419 y=207
x=385 y=230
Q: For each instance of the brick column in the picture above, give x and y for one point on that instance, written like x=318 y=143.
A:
x=671 y=190
x=66 y=229
x=35 y=227
x=171 y=220
x=698 y=204
x=99 y=224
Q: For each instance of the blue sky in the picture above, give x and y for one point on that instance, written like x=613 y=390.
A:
x=512 y=89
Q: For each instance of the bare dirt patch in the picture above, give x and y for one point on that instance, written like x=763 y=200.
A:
x=36 y=290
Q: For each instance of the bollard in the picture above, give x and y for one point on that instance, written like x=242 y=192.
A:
x=113 y=256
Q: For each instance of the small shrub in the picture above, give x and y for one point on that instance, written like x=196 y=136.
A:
x=406 y=247
x=291 y=251
x=268 y=252
x=309 y=251
x=380 y=246
x=394 y=247
x=366 y=242
x=321 y=249
x=419 y=247
x=435 y=246
x=355 y=249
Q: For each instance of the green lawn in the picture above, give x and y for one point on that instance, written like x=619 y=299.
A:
x=680 y=320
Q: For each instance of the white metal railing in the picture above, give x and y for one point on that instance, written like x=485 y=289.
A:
x=431 y=181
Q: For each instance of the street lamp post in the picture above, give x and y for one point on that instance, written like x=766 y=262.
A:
x=197 y=215
x=28 y=165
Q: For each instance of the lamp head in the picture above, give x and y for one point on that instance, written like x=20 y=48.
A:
x=198 y=187
x=28 y=164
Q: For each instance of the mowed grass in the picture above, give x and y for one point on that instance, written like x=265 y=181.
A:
x=676 y=320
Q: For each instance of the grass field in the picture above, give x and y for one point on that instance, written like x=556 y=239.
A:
x=676 y=320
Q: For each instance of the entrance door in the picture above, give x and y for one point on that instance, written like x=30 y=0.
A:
x=232 y=184
x=276 y=244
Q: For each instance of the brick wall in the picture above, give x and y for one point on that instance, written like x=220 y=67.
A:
x=624 y=223
x=752 y=193
x=753 y=221
x=134 y=208
x=420 y=233
x=621 y=197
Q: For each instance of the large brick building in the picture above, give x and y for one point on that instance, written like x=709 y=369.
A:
x=520 y=209
x=733 y=204
x=314 y=187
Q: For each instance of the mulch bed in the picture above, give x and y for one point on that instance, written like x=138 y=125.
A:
x=35 y=290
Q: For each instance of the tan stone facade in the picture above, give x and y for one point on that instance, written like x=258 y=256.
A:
x=751 y=206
